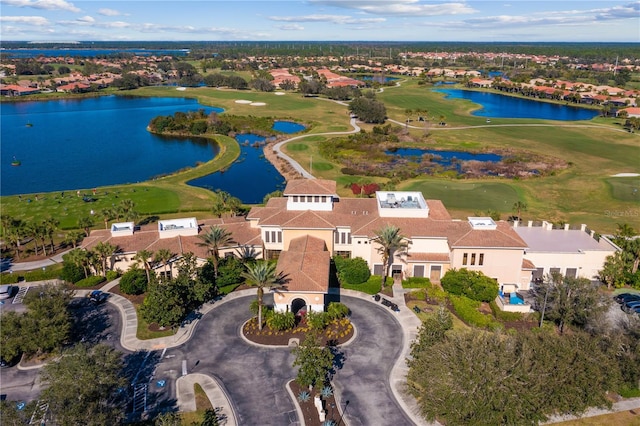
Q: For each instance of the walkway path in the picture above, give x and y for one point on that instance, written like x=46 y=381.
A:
x=294 y=163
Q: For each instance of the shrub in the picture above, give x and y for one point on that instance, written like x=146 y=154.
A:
x=72 y=273
x=281 y=321
x=317 y=320
x=504 y=316
x=112 y=275
x=416 y=282
x=134 y=281
x=352 y=271
x=230 y=271
x=91 y=281
x=467 y=311
x=337 y=310
x=472 y=284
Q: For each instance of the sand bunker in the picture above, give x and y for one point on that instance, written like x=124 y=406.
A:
x=257 y=104
x=182 y=89
x=279 y=93
x=243 y=101
x=626 y=175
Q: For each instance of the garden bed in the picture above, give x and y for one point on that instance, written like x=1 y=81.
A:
x=309 y=411
x=337 y=332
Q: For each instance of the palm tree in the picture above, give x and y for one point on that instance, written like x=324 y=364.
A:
x=72 y=237
x=103 y=251
x=389 y=240
x=246 y=253
x=85 y=223
x=107 y=215
x=518 y=207
x=144 y=257
x=126 y=211
x=163 y=256
x=79 y=257
x=261 y=274
x=213 y=240
x=50 y=226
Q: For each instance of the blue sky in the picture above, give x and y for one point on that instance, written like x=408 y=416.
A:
x=311 y=20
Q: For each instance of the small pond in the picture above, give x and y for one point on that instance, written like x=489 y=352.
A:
x=250 y=178
x=377 y=78
x=288 y=127
x=445 y=158
x=495 y=105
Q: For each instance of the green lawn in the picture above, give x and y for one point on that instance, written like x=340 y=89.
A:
x=460 y=195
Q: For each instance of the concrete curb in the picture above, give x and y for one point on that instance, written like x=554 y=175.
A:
x=215 y=392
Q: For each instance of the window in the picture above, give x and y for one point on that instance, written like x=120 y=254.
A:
x=481 y=259
x=309 y=199
x=349 y=238
x=336 y=237
x=345 y=254
x=295 y=198
x=464 y=258
x=317 y=199
x=553 y=271
x=266 y=237
x=279 y=236
x=473 y=258
x=418 y=271
x=324 y=198
x=571 y=273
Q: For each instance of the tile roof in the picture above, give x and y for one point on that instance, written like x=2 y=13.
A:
x=310 y=187
x=427 y=257
x=305 y=265
x=527 y=264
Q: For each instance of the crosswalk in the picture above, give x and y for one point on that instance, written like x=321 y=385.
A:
x=22 y=292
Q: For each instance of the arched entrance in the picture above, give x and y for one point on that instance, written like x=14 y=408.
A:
x=298 y=306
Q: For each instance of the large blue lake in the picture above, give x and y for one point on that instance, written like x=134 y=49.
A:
x=494 y=105
x=73 y=144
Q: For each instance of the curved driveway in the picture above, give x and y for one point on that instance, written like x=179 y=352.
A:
x=255 y=377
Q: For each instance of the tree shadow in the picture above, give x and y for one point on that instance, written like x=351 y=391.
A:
x=91 y=323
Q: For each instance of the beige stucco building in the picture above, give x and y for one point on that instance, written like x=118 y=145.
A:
x=310 y=223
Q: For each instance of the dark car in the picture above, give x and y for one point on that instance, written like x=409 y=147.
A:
x=97 y=296
x=626 y=297
x=4 y=363
x=631 y=305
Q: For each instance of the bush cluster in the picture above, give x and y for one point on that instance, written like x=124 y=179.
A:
x=467 y=311
x=352 y=271
x=91 y=281
x=472 y=284
x=280 y=321
x=134 y=281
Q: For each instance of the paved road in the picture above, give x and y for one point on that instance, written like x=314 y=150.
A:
x=255 y=377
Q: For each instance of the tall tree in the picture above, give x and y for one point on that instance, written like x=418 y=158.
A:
x=78 y=257
x=390 y=241
x=107 y=215
x=85 y=223
x=518 y=208
x=103 y=252
x=144 y=257
x=569 y=301
x=261 y=274
x=83 y=386
x=216 y=238
x=50 y=226
x=314 y=361
x=163 y=256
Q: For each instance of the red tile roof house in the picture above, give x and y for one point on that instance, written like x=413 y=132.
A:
x=15 y=90
x=631 y=112
x=73 y=87
x=310 y=223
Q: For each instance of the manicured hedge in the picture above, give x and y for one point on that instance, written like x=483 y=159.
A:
x=467 y=311
x=372 y=286
x=134 y=281
x=50 y=273
x=472 y=284
x=416 y=282
x=91 y=281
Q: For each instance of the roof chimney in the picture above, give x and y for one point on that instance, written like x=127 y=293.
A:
x=530 y=223
x=566 y=226
x=516 y=223
x=583 y=227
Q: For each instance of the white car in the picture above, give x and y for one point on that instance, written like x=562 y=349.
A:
x=5 y=291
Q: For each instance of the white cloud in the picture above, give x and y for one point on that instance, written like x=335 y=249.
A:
x=401 y=7
x=334 y=19
x=290 y=27
x=631 y=10
x=29 y=20
x=110 y=12
x=86 y=19
x=43 y=4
